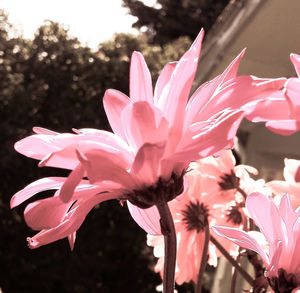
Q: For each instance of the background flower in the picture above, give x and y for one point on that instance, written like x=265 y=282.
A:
x=291 y=185
x=279 y=226
x=203 y=203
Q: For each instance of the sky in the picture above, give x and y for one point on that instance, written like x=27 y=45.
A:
x=92 y=21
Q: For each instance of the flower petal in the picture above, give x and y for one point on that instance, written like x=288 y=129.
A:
x=147 y=219
x=296 y=62
x=292 y=95
x=70 y=184
x=46 y=213
x=265 y=215
x=70 y=224
x=140 y=85
x=242 y=239
x=284 y=127
x=147 y=162
x=144 y=124
x=174 y=102
x=114 y=103
x=36 y=187
x=103 y=164
x=163 y=80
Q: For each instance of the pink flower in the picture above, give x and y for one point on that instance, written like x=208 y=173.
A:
x=203 y=203
x=282 y=109
x=277 y=244
x=291 y=185
x=143 y=161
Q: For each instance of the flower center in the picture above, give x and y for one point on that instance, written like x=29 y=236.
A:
x=229 y=181
x=234 y=215
x=163 y=190
x=195 y=216
x=284 y=283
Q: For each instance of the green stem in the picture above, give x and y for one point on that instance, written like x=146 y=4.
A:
x=203 y=261
x=168 y=230
x=246 y=276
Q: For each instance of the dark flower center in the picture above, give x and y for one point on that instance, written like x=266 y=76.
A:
x=229 y=181
x=284 y=283
x=163 y=191
x=234 y=215
x=195 y=216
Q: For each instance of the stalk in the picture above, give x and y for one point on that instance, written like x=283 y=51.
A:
x=168 y=230
x=245 y=275
x=203 y=261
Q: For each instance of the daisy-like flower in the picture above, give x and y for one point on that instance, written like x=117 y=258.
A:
x=291 y=185
x=277 y=243
x=211 y=199
x=155 y=138
x=283 y=114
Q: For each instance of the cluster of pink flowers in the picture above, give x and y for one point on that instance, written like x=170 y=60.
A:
x=146 y=161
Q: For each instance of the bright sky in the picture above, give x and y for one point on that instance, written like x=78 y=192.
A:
x=92 y=21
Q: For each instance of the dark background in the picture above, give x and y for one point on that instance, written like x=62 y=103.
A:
x=54 y=82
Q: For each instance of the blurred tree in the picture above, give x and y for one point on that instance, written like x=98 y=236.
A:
x=55 y=82
x=168 y=20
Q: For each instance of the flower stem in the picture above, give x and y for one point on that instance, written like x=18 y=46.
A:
x=246 y=276
x=234 y=275
x=203 y=261
x=168 y=230
x=242 y=192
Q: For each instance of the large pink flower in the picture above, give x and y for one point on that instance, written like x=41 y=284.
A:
x=291 y=185
x=205 y=202
x=143 y=161
x=279 y=240
x=282 y=109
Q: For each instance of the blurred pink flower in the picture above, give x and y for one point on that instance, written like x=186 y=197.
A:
x=283 y=107
x=291 y=185
x=277 y=244
x=203 y=203
x=143 y=161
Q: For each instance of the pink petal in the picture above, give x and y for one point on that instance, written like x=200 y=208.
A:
x=102 y=164
x=163 y=80
x=147 y=162
x=265 y=215
x=278 y=109
x=59 y=150
x=147 y=219
x=283 y=127
x=36 y=187
x=242 y=91
x=143 y=124
x=140 y=85
x=287 y=214
x=71 y=239
x=242 y=239
x=70 y=224
x=204 y=93
x=290 y=170
x=207 y=143
x=292 y=94
x=114 y=103
x=66 y=157
x=70 y=184
x=296 y=62
x=174 y=102
x=278 y=187
x=41 y=130
x=46 y=213
x=297 y=175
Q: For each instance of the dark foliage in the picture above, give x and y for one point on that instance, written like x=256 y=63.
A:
x=169 y=19
x=56 y=83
